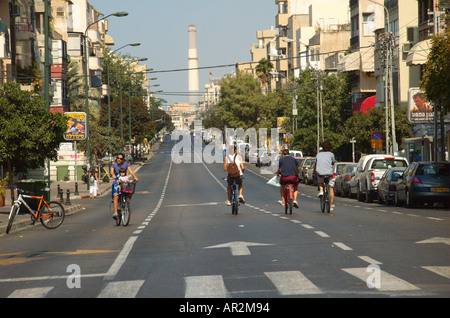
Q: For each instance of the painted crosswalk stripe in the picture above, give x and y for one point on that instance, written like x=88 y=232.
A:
x=292 y=283
x=122 y=289
x=342 y=246
x=31 y=292
x=388 y=282
x=440 y=270
x=211 y=286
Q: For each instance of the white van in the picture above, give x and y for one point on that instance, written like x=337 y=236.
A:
x=295 y=153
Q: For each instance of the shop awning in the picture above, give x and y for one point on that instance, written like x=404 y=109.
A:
x=364 y=104
x=418 y=54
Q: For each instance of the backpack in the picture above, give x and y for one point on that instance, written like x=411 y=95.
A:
x=233 y=169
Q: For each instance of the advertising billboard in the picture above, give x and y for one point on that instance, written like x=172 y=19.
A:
x=76 y=126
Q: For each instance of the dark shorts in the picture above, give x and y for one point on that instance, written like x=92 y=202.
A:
x=289 y=179
x=238 y=180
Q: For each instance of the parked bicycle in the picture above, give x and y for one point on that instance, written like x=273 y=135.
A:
x=124 y=211
x=325 y=199
x=51 y=214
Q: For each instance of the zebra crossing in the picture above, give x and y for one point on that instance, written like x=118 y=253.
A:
x=291 y=283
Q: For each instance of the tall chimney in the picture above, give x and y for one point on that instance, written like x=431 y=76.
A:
x=193 y=66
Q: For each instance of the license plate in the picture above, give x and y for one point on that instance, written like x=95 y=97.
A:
x=439 y=189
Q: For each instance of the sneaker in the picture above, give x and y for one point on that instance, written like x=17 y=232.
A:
x=331 y=207
x=115 y=216
x=320 y=194
x=227 y=202
x=281 y=202
x=295 y=204
x=241 y=199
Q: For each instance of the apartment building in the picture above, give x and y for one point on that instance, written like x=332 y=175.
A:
x=309 y=33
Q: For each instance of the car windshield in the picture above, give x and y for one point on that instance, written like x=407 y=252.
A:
x=439 y=169
x=388 y=163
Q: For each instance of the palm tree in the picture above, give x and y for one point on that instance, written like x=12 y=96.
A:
x=262 y=71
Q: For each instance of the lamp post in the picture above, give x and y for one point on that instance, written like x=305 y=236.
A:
x=88 y=146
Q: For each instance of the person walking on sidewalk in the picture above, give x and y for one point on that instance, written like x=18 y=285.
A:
x=120 y=163
x=93 y=182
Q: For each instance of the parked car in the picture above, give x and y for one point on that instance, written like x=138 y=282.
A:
x=369 y=171
x=263 y=159
x=424 y=182
x=308 y=171
x=311 y=177
x=342 y=180
x=387 y=185
x=296 y=154
x=304 y=168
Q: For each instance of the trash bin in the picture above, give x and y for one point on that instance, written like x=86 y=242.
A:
x=34 y=187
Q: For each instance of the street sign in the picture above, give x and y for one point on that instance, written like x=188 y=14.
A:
x=377 y=140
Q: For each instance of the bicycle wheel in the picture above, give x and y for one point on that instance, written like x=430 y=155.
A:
x=53 y=215
x=327 y=203
x=126 y=213
x=236 y=202
x=322 y=201
x=12 y=217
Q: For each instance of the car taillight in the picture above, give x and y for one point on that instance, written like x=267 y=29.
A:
x=372 y=178
x=416 y=180
x=349 y=177
x=392 y=188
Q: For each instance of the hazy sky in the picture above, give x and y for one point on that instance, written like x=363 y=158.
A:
x=225 y=31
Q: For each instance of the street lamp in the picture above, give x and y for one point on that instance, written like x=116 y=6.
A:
x=88 y=146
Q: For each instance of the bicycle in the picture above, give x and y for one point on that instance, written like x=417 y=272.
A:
x=288 y=197
x=325 y=199
x=234 y=198
x=51 y=214
x=124 y=211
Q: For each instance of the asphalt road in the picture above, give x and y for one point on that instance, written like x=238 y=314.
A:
x=183 y=242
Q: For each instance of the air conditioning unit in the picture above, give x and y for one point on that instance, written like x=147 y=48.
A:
x=407 y=46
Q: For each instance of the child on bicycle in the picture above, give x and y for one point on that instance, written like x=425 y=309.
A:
x=123 y=177
x=324 y=169
x=288 y=168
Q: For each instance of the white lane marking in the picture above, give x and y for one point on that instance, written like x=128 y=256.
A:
x=342 y=246
x=191 y=204
x=123 y=289
x=292 y=283
x=205 y=287
x=322 y=234
x=388 y=282
x=120 y=259
x=31 y=292
x=440 y=270
x=369 y=260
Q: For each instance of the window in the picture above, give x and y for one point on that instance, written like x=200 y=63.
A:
x=368 y=24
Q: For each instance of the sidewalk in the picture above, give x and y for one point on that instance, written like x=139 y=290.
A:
x=75 y=203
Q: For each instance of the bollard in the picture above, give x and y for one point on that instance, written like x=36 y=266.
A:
x=58 y=189
x=60 y=193
x=68 y=198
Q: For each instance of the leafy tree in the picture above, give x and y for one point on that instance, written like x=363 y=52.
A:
x=436 y=78
x=362 y=126
x=29 y=134
x=262 y=71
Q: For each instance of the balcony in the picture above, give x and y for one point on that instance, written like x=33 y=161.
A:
x=24 y=31
x=95 y=64
x=281 y=20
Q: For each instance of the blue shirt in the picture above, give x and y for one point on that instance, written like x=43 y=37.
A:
x=116 y=167
x=288 y=166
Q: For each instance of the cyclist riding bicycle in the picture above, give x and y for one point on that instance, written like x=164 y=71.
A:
x=234 y=157
x=288 y=168
x=324 y=169
x=115 y=186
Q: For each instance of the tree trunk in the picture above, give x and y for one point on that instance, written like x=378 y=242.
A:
x=11 y=180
